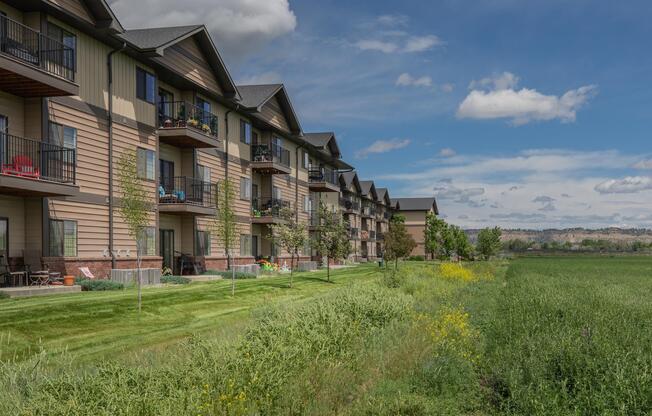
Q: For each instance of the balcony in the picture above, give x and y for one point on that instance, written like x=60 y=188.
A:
x=315 y=219
x=185 y=125
x=368 y=211
x=270 y=159
x=34 y=65
x=354 y=233
x=268 y=210
x=186 y=196
x=380 y=237
x=349 y=206
x=33 y=168
x=323 y=180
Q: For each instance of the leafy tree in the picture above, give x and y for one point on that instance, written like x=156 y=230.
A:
x=518 y=245
x=225 y=223
x=489 y=242
x=448 y=242
x=434 y=234
x=463 y=247
x=135 y=206
x=398 y=242
x=291 y=235
x=332 y=237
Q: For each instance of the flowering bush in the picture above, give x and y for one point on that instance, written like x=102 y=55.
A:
x=267 y=266
x=456 y=271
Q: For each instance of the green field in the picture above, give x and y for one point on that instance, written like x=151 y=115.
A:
x=534 y=336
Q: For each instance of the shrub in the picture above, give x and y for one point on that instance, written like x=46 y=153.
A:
x=175 y=280
x=393 y=279
x=228 y=274
x=98 y=285
x=3 y=295
x=416 y=258
x=456 y=271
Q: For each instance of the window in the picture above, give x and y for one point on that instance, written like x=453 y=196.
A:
x=205 y=106
x=245 y=188
x=203 y=173
x=203 y=243
x=63 y=238
x=276 y=192
x=306 y=160
x=245 y=245
x=68 y=39
x=165 y=103
x=145 y=86
x=245 y=132
x=274 y=249
x=145 y=163
x=307 y=250
x=307 y=203
x=148 y=242
x=63 y=136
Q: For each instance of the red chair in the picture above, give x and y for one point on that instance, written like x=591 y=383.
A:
x=22 y=166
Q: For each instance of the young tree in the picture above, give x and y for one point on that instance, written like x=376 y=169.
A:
x=135 y=206
x=291 y=235
x=332 y=237
x=434 y=234
x=463 y=247
x=398 y=242
x=489 y=242
x=225 y=223
x=448 y=242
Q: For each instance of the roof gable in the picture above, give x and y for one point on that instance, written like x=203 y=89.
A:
x=416 y=204
x=383 y=196
x=348 y=179
x=369 y=190
x=273 y=105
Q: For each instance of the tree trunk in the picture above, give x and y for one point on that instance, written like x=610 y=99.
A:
x=291 y=268
x=396 y=264
x=140 y=279
x=232 y=274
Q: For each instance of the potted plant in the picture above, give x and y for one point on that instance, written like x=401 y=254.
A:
x=167 y=123
x=193 y=122
x=206 y=128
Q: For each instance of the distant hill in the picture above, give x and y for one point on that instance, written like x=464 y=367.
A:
x=573 y=235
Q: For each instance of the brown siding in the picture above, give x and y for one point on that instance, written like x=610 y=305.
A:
x=274 y=115
x=75 y=7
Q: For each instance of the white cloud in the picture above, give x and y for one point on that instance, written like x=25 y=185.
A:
x=376 y=45
x=382 y=146
x=238 y=26
x=447 y=152
x=393 y=20
x=645 y=164
x=628 y=185
x=447 y=87
x=502 y=100
x=407 y=80
x=264 y=78
x=422 y=43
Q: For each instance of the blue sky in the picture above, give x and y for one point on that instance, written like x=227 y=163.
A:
x=521 y=114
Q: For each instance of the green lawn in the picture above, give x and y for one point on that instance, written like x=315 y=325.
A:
x=93 y=325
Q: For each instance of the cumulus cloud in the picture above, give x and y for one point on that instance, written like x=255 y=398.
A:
x=407 y=80
x=447 y=152
x=422 y=43
x=544 y=199
x=518 y=217
x=446 y=190
x=398 y=42
x=393 y=20
x=376 y=45
x=497 y=98
x=382 y=146
x=627 y=185
x=645 y=164
x=238 y=26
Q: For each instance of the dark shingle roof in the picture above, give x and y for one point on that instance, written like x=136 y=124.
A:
x=416 y=204
x=349 y=178
x=366 y=187
x=382 y=194
x=156 y=37
x=253 y=96
x=318 y=139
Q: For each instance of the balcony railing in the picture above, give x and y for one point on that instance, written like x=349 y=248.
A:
x=380 y=236
x=185 y=190
x=322 y=175
x=36 y=49
x=315 y=219
x=182 y=114
x=37 y=160
x=368 y=211
x=349 y=205
x=372 y=235
x=354 y=233
x=269 y=207
x=270 y=153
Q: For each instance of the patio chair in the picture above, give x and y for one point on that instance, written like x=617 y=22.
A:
x=22 y=166
x=39 y=273
x=87 y=273
x=11 y=278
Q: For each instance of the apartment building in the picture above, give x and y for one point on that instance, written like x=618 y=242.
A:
x=415 y=211
x=78 y=91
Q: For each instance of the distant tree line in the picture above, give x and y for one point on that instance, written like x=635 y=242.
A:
x=445 y=241
x=517 y=245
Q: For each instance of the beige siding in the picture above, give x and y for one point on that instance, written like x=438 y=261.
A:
x=13 y=108
x=187 y=59
x=75 y=7
x=11 y=13
x=13 y=208
x=33 y=224
x=274 y=115
x=33 y=118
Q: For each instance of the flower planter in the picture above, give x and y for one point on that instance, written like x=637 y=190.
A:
x=69 y=280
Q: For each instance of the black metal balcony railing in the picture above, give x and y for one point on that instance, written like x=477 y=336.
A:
x=372 y=235
x=185 y=190
x=34 y=48
x=315 y=218
x=368 y=211
x=349 y=205
x=354 y=233
x=322 y=175
x=37 y=160
x=270 y=153
x=182 y=114
x=268 y=207
x=380 y=236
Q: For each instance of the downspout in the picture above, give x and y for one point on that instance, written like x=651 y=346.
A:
x=109 y=62
x=296 y=184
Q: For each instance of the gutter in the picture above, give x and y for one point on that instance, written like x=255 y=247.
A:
x=109 y=62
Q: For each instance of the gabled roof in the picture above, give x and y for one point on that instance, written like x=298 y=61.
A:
x=383 y=196
x=254 y=97
x=349 y=178
x=154 y=41
x=105 y=18
x=416 y=204
x=326 y=144
x=369 y=190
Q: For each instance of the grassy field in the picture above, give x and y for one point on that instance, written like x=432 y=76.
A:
x=534 y=336
x=96 y=325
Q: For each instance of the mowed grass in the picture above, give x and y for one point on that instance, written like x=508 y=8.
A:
x=572 y=336
x=95 y=325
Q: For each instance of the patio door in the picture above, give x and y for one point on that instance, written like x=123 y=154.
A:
x=4 y=239
x=167 y=248
x=254 y=246
x=4 y=131
x=167 y=175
